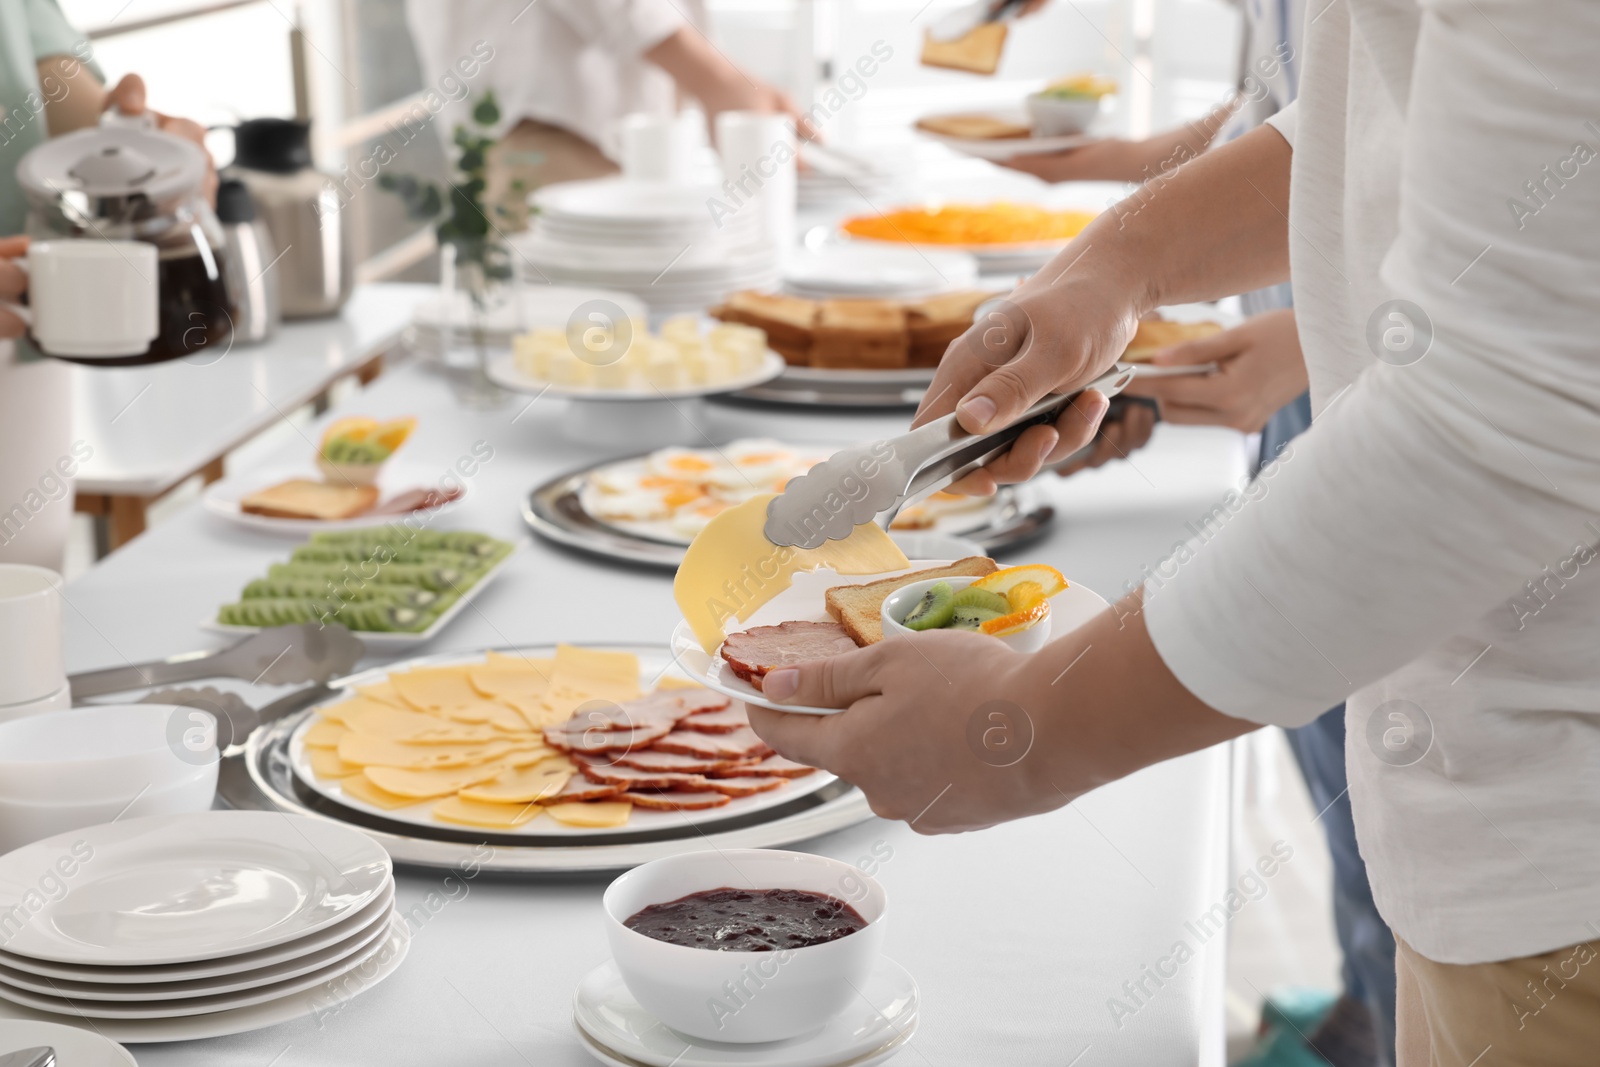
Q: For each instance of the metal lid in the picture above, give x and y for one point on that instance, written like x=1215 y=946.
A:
x=113 y=161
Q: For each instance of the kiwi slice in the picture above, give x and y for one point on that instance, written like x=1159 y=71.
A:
x=973 y=597
x=971 y=616
x=932 y=611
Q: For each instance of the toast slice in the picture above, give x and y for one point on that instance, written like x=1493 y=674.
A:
x=858 y=608
x=301 y=498
x=933 y=323
x=789 y=321
x=1154 y=335
x=861 y=335
x=978 y=52
x=974 y=127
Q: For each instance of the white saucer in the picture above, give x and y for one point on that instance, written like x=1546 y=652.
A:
x=176 y=888
x=614 y=1029
x=75 y=1046
x=223 y=499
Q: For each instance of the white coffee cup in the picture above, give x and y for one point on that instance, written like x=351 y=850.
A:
x=91 y=299
x=32 y=666
x=654 y=148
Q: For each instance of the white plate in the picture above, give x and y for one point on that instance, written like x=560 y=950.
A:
x=285 y=955
x=621 y=201
x=997 y=149
x=540 y=305
x=640 y=822
x=200 y=987
x=177 y=888
x=504 y=372
x=74 y=1045
x=322 y=1003
x=619 y=1031
x=378 y=640
x=871 y=270
x=222 y=498
x=803 y=602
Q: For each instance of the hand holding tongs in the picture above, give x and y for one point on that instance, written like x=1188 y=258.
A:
x=872 y=482
x=963 y=20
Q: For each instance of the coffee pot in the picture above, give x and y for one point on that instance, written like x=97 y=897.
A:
x=127 y=181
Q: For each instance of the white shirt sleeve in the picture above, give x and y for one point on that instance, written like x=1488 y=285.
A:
x=1427 y=495
x=1285 y=121
x=621 y=27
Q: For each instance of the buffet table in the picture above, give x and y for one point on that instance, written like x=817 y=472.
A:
x=1022 y=937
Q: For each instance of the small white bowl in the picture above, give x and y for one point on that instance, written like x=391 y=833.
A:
x=32 y=666
x=898 y=604
x=743 y=997
x=103 y=752
x=23 y=822
x=60 y=700
x=1059 y=116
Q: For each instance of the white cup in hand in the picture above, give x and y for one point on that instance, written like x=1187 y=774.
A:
x=91 y=299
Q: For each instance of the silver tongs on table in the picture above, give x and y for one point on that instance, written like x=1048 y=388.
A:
x=872 y=482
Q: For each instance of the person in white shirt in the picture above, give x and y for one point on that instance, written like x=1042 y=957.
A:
x=1422 y=550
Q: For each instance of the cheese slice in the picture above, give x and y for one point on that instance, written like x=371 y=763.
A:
x=537 y=712
x=359 y=787
x=592 y=814
x=435 y=689
x=598 y=675
x=672 y=682
x=523 y=785
x=501 y=676
x=325 y=763
x=383 y=692
x=406 y=782
x=478 y=813
x=490 y=714
x=369 y=751
x=731 y=569
x=325 y=734
x=416 y=727
x=337 y=712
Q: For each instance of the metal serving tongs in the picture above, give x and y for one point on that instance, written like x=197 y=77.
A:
x=281 y=655
x=872 y=482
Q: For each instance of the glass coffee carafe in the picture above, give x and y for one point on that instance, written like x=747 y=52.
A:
x=129 y=181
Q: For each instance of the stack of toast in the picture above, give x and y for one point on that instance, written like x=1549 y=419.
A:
x=855 y=333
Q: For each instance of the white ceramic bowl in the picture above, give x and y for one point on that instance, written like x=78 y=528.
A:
x=31 y=663
x=898 y=604
x=1057 y=116
x=23 y=822
x=743 y=997
x=104 y=752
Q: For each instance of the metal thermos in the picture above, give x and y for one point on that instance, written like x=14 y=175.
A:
x=251 y=264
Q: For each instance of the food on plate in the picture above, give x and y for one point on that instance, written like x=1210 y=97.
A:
x=858 y=608
x=856 y=334
x=730 y=569
x=355 y=448
x=1002 y=603
x=1153 y=335
x=499 y=742
x=628 y=357
x=976 y=52
x=387 y=579
x=752 y=653
x=1079 y=87
x=974 y=127
x=748 y=920
x=301 y=498
x=998 y=223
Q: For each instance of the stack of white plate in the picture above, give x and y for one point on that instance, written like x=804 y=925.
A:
x=676 y=247
x=175 y=927
x=883 y=271
x=533 y=305
x=833 y=177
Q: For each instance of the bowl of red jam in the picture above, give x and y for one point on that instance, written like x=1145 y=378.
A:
x=745 y=945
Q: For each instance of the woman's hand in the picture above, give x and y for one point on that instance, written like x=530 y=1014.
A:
x=128 y=97
x=1127 y=433
x=1260 y=368
x=925 y=733
x=13 y=284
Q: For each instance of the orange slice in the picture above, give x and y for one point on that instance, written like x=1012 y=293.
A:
x=393 y=434
x=355 y=427
x=1048 y=579
x=1017 y=621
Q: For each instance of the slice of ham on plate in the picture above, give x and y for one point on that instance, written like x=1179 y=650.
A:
x=580 y=788
x=699 y=700
x=743 y=787
x=649 y=759
x=738 y=744
x=634 y=778
x=716 y=722
x=571 y=736
x=675 y=800
x=752 y=653
x=771 y=767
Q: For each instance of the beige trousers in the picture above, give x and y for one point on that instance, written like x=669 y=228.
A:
x=1538 y=1011
x=535 y=153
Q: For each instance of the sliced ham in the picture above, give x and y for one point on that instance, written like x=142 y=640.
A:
x=580 y=788
x=676 y=800
x=569 y=737
x=716 y=722
x=743 y=787
x=752 y=653
x=650 y=759
x=771 y=767
x=738 y=744
x=701 y=700
x=634 y=778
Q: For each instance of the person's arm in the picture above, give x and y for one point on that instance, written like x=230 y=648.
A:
x=1117 y=160
x=1260 y=368
x=703 y=72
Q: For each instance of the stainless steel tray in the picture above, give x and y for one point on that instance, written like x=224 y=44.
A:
x=820 y=387
x=553 y=512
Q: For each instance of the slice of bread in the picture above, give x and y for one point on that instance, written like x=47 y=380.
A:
x=304 y=499
x=974 y=127
x=978 y=52
x=933 y=323
x=858 y=608
x=789 y=321
x=861 y=335
x=1154 y=335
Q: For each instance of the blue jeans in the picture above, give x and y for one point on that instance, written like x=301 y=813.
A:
x=1364 y=938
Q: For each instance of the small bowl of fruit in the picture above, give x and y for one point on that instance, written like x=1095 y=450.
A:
x=1068 y=106
x=1012 y=604
x=355 y=449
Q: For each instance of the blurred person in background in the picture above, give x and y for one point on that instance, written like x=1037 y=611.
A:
x=565 y=72
x=49 y=85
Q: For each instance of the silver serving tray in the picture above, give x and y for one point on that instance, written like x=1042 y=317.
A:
x=824 y=387
x=553 y=511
